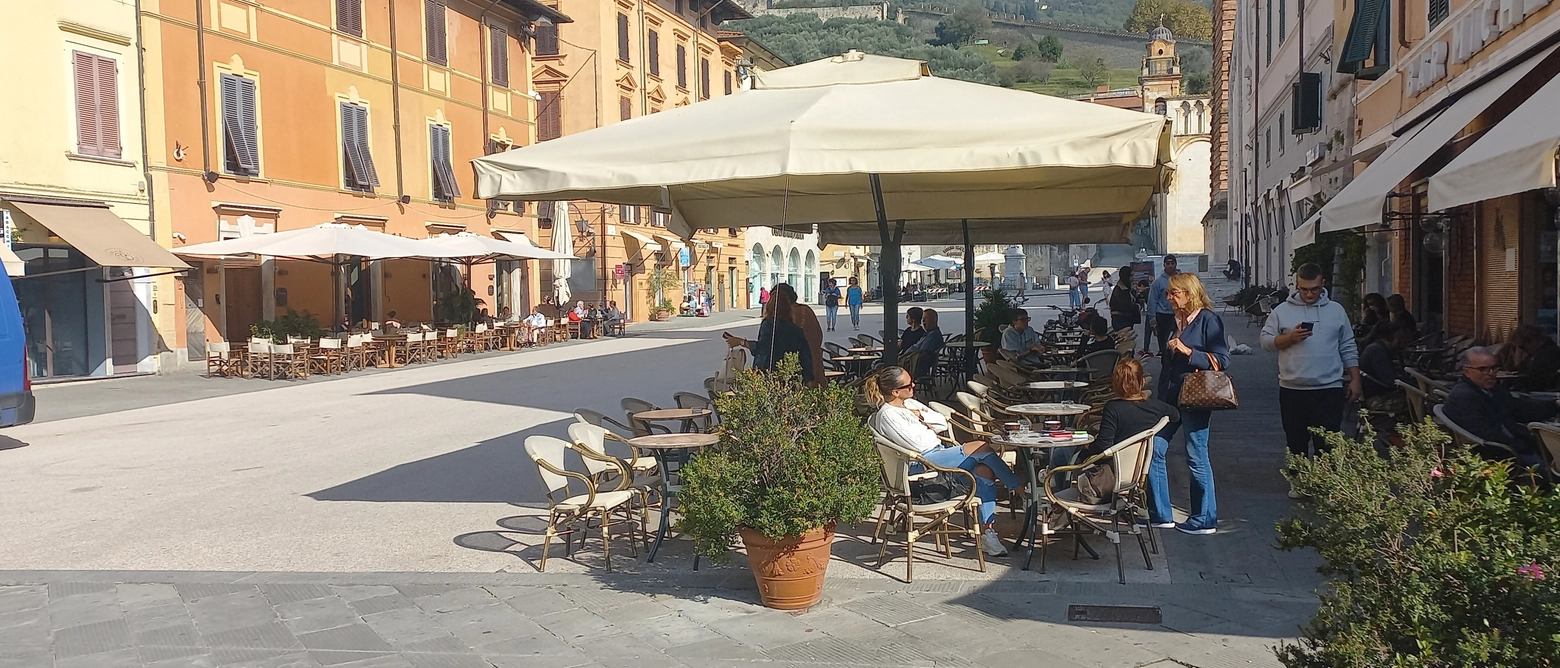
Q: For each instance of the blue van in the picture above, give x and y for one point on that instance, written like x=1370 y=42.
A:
x=16 y=397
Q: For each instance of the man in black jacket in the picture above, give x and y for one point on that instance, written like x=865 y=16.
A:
x=1483 y=408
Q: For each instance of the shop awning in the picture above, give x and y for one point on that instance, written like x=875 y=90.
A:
x=1362 y=201
x=100 y=235
x=1305 y=235
x=668 y=241
x=1517 y=155
x=636 y=243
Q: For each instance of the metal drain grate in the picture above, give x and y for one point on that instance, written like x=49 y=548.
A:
x=1134 y=614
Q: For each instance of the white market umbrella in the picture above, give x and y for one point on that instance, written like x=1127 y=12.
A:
x=319 y=243
x=939 y=262
x=914 y=266
x=990 y=258
x=563 y=244
x=856 y=141
x=471 y=248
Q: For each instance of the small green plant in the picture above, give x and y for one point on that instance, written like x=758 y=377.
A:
x=663 y=283
x=1437 y=557
x=790 y=459
x=995 y=310
x=459 y=307
x=292 y=324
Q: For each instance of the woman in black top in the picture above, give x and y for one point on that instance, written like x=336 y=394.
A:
x=1131 y=412
x=913 y=331
x=1124 y=313
x=1101 y=340
x=778 y=335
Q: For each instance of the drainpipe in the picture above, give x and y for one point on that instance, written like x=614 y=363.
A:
x=200 y=82
x=644 y=62
x=485 y=34
x=146 y=167
x=1256 y=153
x=395 y=111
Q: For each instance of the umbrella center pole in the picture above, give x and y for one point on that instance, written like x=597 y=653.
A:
x=888 y=272
x=969 y=301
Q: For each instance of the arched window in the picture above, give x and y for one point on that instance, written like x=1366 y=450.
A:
x=1161 y=108
x=1186 y=118
x=1202 y=118
x=810 y=279
x=794 y=271
x=776 y=265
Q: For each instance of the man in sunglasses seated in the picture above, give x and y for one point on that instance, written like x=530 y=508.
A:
x=1480 y=406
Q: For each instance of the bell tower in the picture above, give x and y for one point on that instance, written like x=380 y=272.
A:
x=1161 y=75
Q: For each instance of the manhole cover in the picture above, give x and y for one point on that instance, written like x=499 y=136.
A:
x=1135 y=614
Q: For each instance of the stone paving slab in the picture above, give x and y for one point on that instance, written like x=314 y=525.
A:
x=486 y=620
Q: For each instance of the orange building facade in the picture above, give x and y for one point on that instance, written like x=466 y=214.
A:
x=275 y=115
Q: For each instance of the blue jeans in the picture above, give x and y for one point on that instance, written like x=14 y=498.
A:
x=953 y=457
x=1159 y=509
x=832 y=313
x=1073 y=298
x=1204 y=512
x=855 y=315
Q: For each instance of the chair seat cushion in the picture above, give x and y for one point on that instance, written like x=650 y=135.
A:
x=941 y=506
x=604 y=501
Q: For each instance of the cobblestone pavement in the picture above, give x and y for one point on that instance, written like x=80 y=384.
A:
x=299 y=620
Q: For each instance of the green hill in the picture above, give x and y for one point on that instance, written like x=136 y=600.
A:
x=1065 y=80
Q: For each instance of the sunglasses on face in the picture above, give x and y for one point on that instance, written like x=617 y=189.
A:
x=1491 y=368
x=907 y=386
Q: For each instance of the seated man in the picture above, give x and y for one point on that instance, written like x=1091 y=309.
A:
x=1099 y=340
x=1232 y=270
x=614 y=316
x=1481 y=407
x=930 y=345
x=913 y=331
x=1022 y=340
x=535 y=324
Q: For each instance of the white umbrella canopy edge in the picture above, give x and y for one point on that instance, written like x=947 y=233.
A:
x=319 y=243
x=473 y=248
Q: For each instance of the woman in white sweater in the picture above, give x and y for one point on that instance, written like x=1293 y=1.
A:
x=915 y=426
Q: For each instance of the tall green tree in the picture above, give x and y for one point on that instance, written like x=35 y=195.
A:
x=1092 y=67
x=964 y=25
x=1185 y=18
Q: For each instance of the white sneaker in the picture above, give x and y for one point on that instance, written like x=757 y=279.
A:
x=991 y=544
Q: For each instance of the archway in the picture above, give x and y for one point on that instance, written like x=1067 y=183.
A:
x=755 y=275
x=810 y=280
x=776 y=265
x=793 y=270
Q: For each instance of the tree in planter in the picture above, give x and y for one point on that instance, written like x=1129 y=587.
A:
x=1437 y=557
x=662 y=284
x=791 y=459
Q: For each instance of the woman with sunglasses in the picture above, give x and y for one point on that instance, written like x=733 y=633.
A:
x=1197 y=345
x=915 y=426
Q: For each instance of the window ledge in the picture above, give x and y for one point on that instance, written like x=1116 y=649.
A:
x=72 y=155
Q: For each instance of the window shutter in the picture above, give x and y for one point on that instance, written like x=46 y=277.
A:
x=625 y=108
x=238 y=125
x=549 y=116
x=547 y=40
x=500 y=56
x=1437 y=10
x=108 y=106
x=249 y=121
x=446 y=188
x=726 y=75
x=433 y=14
x=654 y=39
x=622 y=26
x=364 y=145
x=354 y=138
x=1372 y=20
x=349 y=17
x=682 y=66
x=704 y=79
x=349 y=172
x=88 y=137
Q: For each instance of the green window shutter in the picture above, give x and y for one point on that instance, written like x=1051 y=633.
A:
x=1370 y=32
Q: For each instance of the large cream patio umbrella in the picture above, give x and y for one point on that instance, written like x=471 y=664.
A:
x=854 y=142
x=471 y=248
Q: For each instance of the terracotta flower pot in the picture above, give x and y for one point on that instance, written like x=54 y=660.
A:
x=790 y=571
x=659 y=316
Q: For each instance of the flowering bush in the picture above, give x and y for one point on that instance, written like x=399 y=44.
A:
x=1437 y=557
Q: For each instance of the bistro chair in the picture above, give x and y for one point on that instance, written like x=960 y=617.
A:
x=1486 y=449
x=257 y=361
x=1100 y=365
x=566 y=510
x=692 y=400
x=1547 y=436
x=640 y=427
x=1418 y=401
x=1125 y=502
x=222 y=361
x=612 y=430
x=919 y=521
x=608 y=471
x=329 y=359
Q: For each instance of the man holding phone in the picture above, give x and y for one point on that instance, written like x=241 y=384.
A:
x=1315 y=344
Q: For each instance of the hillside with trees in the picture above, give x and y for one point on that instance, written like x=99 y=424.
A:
x=801 y=38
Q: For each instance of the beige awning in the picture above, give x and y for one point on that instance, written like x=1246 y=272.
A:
x=1362 y=201
x=635 y=243
x=100 y=235
x=14 y=266
x=1516 y=156
x=670 y=242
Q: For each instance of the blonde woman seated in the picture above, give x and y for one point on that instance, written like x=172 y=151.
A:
x=915 y=426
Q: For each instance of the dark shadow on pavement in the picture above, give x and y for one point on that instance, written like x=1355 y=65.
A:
x=8 y=443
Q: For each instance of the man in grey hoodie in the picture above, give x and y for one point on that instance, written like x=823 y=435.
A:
x=1315 y=344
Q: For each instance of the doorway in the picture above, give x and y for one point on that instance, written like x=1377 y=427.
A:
x=124 y=322
x=241 y=296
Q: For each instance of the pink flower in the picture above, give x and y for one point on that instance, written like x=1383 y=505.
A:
x=1436 y=473
x=1532 y=570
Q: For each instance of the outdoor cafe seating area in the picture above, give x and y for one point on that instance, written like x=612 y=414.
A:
x=1037 y=417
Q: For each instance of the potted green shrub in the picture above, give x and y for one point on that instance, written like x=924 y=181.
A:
x=994 y=312
x=663 y=283
x=792 y=463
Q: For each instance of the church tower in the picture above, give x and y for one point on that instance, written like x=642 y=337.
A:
x=1160 y=79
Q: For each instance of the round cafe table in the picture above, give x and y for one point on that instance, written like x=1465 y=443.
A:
x=1063 y=409
x=1055 y=385
x=1055 y=371
x=684 y=415
x=671 y=452
x=864 y=351
x=1032 y=447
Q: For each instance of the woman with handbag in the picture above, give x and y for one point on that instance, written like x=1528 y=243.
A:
x=915 y=426
x=1191 y=378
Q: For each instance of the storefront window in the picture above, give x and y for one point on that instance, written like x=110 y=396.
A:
x=55 y=310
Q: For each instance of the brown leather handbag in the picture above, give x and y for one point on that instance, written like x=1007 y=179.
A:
x=1210 y=390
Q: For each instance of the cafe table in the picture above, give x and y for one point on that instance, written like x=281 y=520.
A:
x=1032 y=448
x=687 y=416
x=864 y=350
x=387 y=344
x=1047 y=410
x=671 y=452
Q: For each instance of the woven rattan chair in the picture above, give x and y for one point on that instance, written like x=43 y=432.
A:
x=1547 y=436
x=613 y=430
x=565 y=510
x=1487 y=449
x=590 y=442
x=920 y=521
x=1119 y=513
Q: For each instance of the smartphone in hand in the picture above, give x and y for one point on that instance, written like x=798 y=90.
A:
x=1307 y=326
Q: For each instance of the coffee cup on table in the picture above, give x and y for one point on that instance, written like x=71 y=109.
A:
x=1053 y=425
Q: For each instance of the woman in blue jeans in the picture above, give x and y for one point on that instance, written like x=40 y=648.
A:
x=913 y=425
x=1198 y=344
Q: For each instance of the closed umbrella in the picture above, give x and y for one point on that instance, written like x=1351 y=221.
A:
x=563 y=244
x=856 y=141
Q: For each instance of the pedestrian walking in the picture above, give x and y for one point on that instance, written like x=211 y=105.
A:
x=1083 y=284
x=1316 y=349
x=1074 y=299
x=831 y=303
x=853 y=301
x=1198 y=345
x=1160 y=313
x=1124 y=313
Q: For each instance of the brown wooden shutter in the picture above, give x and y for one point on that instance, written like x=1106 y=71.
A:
x=88 y=136
x=654 y=43
x=547 y=40
x=500 y=56
x=727 y=77
x=682 y=66
x=704 y=79
x=549 y=116
x=349 y=17
x=438 y=51
x=108 y=107
x=622 y=26
x=625 y=108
